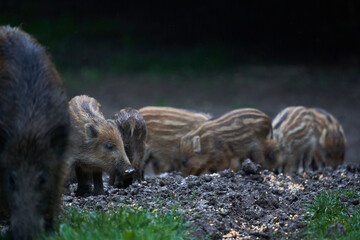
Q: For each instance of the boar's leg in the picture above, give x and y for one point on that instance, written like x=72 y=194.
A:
x=111 y=179
x=84 y=184
x=138 y=166
x=98 y=182
x=300 y=165
x=308 y=158
x=317 y=162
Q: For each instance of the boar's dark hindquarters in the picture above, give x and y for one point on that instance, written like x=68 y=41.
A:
x=34 y=132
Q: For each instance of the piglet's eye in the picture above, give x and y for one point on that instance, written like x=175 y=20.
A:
x=110 y=146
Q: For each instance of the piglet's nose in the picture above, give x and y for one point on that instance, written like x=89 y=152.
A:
x=129 y=171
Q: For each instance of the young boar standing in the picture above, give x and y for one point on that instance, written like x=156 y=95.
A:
x=133 y=130
x=97 y=146
x=226 y=141
x=166 y=126
x=309 y=139
x=34 y=130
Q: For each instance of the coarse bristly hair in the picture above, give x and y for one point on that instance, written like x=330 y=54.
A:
x=97 y=143
x=132 y=127
x=165 y=127
x=225 y=141
x=309 y=139
x=34 y=130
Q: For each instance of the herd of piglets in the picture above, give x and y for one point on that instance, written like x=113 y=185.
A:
x=47 y=142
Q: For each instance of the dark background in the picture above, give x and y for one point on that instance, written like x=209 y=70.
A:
x=299 y=31
x=210 y=56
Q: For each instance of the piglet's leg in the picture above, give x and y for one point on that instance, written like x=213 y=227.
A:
x=98 y=182
x=84 y=184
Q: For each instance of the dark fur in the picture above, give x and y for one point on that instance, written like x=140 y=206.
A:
x=133 y=130
x=34 y=130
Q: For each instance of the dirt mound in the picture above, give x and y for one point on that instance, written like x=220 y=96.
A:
x=229 y=204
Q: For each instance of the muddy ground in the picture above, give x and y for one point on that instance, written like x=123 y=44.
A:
x=248 y=204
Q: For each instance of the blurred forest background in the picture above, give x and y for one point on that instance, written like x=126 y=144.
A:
x=210 y=56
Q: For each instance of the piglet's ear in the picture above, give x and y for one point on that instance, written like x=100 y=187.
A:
x=90 y=131
x=196 y=144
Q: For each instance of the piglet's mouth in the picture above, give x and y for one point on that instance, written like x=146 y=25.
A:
x=129 y=172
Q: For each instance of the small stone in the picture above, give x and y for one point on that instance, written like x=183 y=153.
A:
x=99 y=206
x=228 y=173
x=114 y=191
x=207 y=178
x=161 y=182
x=249 y=167
x=351 y=168
x=256 y=178
x=335 y=230
x=354 y=201
x=344 y=198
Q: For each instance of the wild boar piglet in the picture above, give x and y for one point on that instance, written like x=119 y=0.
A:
x=97 y=146
x=225 y=141
x=309 y=139
x=166 y=126
x=132 y=127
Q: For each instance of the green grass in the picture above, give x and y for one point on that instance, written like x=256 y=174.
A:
x=326 y=209
x=120 y=223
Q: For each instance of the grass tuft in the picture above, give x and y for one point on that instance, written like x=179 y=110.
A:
x=327 y=209
x=122 y=223
x=119 y=223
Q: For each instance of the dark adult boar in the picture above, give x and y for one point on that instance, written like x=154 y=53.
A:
x=133 y=130
x=309 y=139
x=96 y=146
x=225 y=141
x=165 y=127
x=34 y=130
